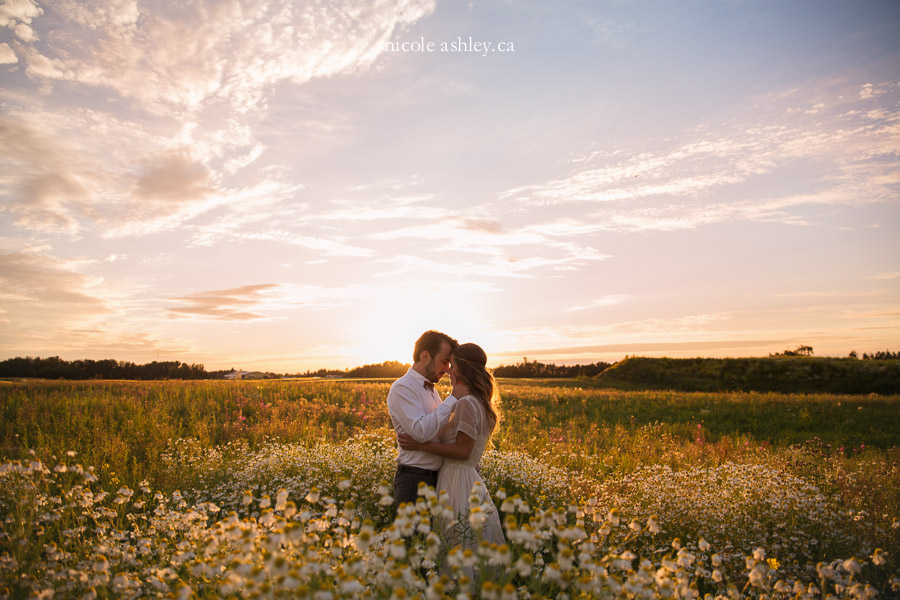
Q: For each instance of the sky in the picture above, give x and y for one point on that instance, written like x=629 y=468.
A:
x=289 y=185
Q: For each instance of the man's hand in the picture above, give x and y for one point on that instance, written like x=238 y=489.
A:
x=407 y=443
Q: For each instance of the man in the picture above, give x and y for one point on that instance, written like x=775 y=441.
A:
x=416 y=410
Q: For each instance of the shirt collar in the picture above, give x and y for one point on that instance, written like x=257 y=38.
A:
x=418 y=377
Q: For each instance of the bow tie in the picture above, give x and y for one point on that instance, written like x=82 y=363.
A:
x=428 y=386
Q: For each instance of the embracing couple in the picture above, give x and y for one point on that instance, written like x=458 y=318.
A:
x=441 y=442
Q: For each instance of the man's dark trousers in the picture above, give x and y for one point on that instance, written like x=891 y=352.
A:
x=406 y=483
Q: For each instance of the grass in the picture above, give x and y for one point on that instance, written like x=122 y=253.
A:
x=123 y=427
x=808 y=477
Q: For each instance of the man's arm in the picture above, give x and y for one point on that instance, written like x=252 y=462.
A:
x=405 y=407
x=461 y=449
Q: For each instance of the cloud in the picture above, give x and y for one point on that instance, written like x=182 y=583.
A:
x=327 y=246
x=231 y=305
x=842 y=294
x=16 y=12
x=261 y=301
x=483 y=225
x=176 y=87
x=527 y=245
x=60 y=176
x=889 y=275
x=608 y=300
x=502 y=253
x=40 y=281
x=25 y=33
x=50 y=188
x=54 y=306
x=7 y=56
x=405 y=264
x=173 y=177
x=606 y=32
x=713 y=347
x=183 y=54
x=870 y=90
x=852 y=142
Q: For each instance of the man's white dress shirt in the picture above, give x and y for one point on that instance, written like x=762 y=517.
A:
x=419 y=413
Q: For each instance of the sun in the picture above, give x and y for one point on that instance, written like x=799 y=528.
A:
x=388 y=327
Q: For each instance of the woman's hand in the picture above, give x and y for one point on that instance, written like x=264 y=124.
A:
x=407 y=443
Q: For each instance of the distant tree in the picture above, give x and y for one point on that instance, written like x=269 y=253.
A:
x=55 y=368
x=389 y=368
x=536 y=369
x=798 y=351
x=882 y=355
x=853 y=355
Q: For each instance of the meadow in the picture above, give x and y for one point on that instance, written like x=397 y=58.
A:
x=278 y=488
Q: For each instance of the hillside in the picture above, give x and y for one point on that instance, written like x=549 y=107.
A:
x=775 y=374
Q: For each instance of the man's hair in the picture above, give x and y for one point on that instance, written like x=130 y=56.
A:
x=431 y=342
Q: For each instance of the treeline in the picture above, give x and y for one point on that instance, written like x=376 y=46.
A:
x=808 y=351
x=880 y=355
x=535 y=369
x=783 y=374
x=389 y=368
x=54 y=367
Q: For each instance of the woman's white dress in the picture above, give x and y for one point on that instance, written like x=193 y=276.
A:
x=457 y=477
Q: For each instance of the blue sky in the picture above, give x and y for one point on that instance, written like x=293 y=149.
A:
x=263 y=184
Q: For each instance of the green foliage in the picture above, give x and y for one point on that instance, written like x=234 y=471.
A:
x=54 y=367
x=798 y=351
x=535 y=369
x=785 y=374
x=389 y=368
x=123 y=427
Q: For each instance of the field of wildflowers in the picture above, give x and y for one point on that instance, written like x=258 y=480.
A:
x=279 y=489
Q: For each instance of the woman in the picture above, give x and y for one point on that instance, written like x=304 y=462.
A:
x=463 y=439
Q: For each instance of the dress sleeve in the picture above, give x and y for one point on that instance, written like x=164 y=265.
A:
x=468 y=416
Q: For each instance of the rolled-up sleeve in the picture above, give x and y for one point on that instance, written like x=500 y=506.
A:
x=405 y=407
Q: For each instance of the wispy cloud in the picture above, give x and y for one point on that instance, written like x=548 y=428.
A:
x=889 y=275
x=694 y=348
x=847 y=293
x=232 y=304
x=853 y=142
x=48 y=187
x=185 y=54
x=49 y=303
x=173 y=177
x=36 y=280
x=511 y=252
x=263 y=301
x=608 y=300
x=184 y=84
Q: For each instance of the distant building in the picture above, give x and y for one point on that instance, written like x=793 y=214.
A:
x=245 y=375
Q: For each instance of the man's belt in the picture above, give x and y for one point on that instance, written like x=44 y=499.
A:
x=417 y=471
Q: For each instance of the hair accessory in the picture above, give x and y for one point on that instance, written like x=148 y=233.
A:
x=470 y=362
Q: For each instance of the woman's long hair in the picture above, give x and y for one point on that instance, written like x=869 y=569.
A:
x=471 y=366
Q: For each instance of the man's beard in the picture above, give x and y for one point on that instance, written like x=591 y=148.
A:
x=431 y=373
